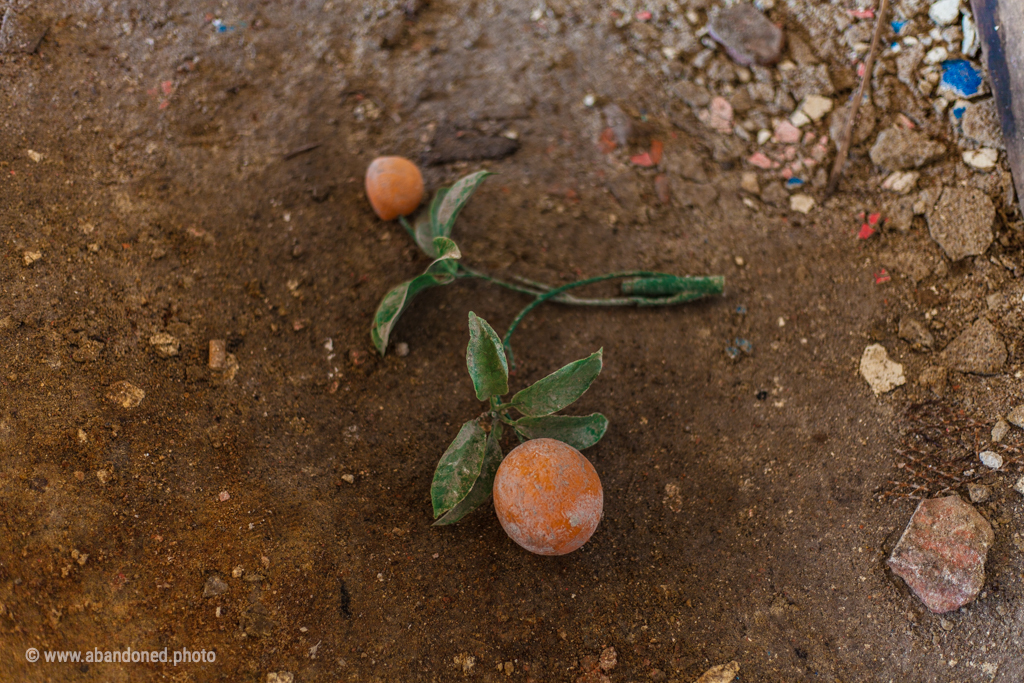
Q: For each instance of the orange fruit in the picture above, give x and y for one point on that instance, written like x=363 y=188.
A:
x=548 y=497
x=394 y=186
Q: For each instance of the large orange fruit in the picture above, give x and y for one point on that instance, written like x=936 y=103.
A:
x=394 y=186
x=548 y=497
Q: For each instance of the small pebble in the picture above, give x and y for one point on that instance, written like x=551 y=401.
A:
x=816 y=106
x=1000 y=430
x=224 y=496
x=237 y=572
x=165 y=345
x=1016 y=416
x=214 y=586
x=401 y=349
x=125 y=394
x=944 y=12
x=1019 y=486
x=589 y=101
x=982 y=159
x=218 y=354
x=348 y=478
x=991 y=460
x=978 y=493
x=801 y=202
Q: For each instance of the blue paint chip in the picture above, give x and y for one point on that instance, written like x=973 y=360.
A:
x=794 y=183
x=961 y=78
x=741 y=310
x=744 y=345
x=732 y=352
x=958 y=112
x=897 y=26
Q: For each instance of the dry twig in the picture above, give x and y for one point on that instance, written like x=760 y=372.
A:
x=844 y=147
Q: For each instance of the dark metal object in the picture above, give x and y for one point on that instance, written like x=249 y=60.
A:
x=1001 y=28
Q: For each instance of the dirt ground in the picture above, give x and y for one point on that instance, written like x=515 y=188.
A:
x=166 y=192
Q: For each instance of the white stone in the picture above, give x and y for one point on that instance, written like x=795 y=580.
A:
x=799 y=119
x=944 y=12
x=816 y=107
x=34 y=155
x=971 y=44
x=991 y=459
x=801 y=202
x=983 y=159
x=901 y=182
x=1019 y=486
x=30 y=257
x=936 y=55
x=882 y=374
x=763 y=136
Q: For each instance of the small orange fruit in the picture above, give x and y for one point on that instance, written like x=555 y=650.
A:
x=548 y=497
x=394 y=186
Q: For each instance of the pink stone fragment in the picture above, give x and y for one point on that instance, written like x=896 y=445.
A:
x=941 y=554
x=787 y=133
x=718 y=115
x=760 y=160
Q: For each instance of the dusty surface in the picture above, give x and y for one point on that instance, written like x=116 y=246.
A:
x=748 y=503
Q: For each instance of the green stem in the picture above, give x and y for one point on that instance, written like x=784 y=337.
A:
x=541 y=289
x=465 y=271
x=408 y=228
x=689 y=289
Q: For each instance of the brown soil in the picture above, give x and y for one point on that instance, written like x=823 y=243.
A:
x=167 y=200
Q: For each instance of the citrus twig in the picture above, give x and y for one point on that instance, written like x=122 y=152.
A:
x=689 y=289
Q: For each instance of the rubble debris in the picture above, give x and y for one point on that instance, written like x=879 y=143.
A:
x=897 y=149
x=19 y=33
x=961 y=222
x=941 y=555
x=978 y=350
x=747 y=35
x=882 y=374
x=980 y=123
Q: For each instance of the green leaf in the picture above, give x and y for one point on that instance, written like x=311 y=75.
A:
x=454 y=200
x=394 y=303
x=435 y=207
x=425 y=228
x=579 y=431
x=558 y=389
x=485 y=359
x=424 y=234
x=484 y=483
